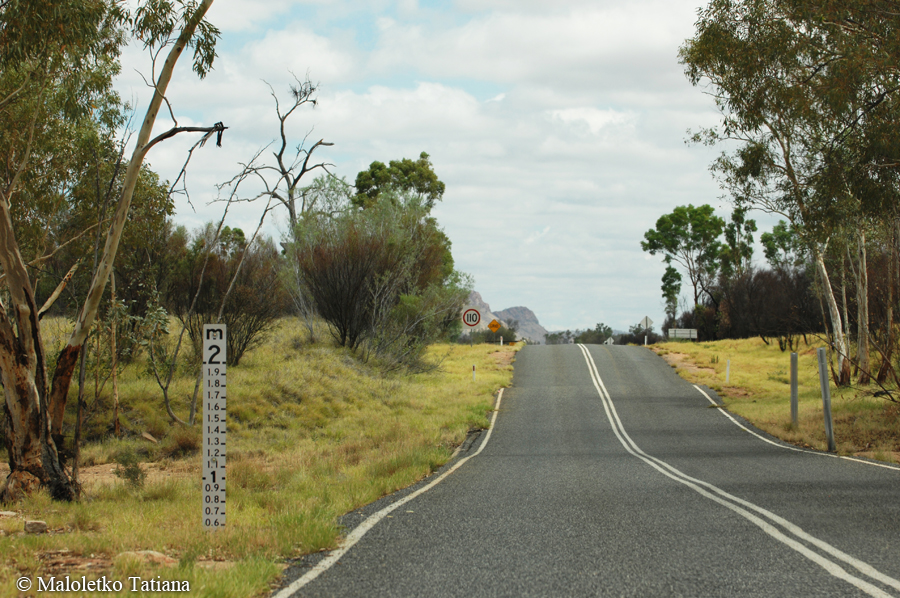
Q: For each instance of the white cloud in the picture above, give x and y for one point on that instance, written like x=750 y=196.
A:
x=558 y=129
x=299 y=50
x=593 y=119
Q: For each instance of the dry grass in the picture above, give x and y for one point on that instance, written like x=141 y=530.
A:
x=759 y=390
x=313 y=433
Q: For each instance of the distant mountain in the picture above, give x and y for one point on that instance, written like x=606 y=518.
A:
x=529 y=327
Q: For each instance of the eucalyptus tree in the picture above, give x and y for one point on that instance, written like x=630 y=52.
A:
x=737 y=250
x=671 y=287
x=794 y=83
x=60 y=49
x=688 y=236
x=410 y=176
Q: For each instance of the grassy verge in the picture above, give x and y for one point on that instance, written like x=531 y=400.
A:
x=759 y=390
x=313 y=433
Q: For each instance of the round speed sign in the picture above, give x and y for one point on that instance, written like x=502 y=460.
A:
x=471 y=317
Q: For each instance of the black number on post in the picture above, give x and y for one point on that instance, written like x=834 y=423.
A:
x=214 y=350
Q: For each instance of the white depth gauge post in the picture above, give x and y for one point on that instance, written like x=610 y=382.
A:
x=214 y=395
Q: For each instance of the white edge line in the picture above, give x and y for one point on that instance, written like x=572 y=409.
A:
x=370 y=522
x=675 y=474
x=791 y=448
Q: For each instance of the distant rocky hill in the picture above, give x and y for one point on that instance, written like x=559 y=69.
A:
x=529 y=327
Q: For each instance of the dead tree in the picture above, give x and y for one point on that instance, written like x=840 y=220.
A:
x=281 y=181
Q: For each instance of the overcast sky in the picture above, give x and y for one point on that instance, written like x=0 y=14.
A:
x=558 y=129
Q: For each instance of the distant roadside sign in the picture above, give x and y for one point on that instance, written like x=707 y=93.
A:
x=610 y=341
x=471 y=316
x=494 y=325
x=646 y=323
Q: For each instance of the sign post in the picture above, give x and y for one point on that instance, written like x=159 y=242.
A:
x=214 y=420
x=646 y=323
x=471 y=317
x=826 y=398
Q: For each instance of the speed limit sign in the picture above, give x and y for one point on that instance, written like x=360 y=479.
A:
x=471 y=317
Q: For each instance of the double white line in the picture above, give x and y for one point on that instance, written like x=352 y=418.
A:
x=779 y=528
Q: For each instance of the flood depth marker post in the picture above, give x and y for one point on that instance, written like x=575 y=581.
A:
x=214 y=396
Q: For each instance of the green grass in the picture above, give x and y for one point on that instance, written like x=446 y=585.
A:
x=313 y=434
x=759 y=390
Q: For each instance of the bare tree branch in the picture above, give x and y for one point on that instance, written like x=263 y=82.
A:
x=58 y=291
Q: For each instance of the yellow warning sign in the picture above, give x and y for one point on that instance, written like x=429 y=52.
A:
x=494 y=325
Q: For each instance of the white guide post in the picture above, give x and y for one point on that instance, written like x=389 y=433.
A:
x=214 y=396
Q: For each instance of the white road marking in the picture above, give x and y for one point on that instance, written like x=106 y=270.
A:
x=792 y=448
x=370 y=522
x=741 y=506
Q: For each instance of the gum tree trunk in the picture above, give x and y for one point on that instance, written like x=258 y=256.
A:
x=35 y=415
x=840 y=341
x=862 y=303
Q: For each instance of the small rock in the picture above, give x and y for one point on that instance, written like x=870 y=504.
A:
x=36 y=527
x=148 y=556
x=8 y=514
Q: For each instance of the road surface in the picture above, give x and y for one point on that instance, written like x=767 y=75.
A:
x=607 y=475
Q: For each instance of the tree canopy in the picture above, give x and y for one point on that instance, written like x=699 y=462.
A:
x=417 y=177
x=688 y=236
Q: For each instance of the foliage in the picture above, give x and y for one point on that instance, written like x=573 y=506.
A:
x=636 y=335
x=415 y=177
x=689 y=237
x=671 y=288
x=808 y=94
x=310 y=440
x=735 y=254
x=597 y=336
x=507 y=332
x=783 y=247
x=128 y=468
x=256 y=300
x=864 y=424
x=382 y=276
x=560 y=338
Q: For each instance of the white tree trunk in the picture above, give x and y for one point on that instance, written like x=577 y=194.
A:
x=862 y=303
x=840 y=341
x=36 y=415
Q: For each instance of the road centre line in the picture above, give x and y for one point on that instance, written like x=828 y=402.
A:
x=738 y=505
x=791 y=448
x=360 y=530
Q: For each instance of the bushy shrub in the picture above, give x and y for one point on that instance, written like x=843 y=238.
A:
x=255 y=302
x=381 y=277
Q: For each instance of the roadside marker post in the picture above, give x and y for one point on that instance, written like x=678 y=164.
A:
x=728 y=371
x=794 y=408
x=473 y=372
x=826 y=398
x=646 y=323
x=214 y=421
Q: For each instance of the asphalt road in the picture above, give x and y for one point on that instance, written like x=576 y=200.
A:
x=625 y=482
